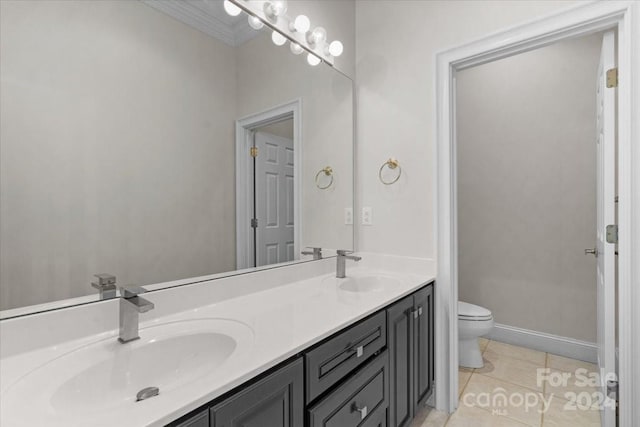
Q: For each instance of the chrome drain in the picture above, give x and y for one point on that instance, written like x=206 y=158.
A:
x=146 y=393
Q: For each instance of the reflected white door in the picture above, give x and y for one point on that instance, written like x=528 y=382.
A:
x=606 y=215
x=274 y=199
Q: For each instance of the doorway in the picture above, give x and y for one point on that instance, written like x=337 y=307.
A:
x=268 y=173
x=273 y=195
x=579 y=20
x=528 y=203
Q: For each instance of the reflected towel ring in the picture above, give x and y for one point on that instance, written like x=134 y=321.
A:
x=327 y=171
x=391 y=164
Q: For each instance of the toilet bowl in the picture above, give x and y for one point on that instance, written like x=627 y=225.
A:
x=473 y=322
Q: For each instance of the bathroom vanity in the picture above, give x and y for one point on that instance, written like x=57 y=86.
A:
x=374 y=373
x=292 y=346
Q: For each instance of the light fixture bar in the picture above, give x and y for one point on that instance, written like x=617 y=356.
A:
x=298 y=30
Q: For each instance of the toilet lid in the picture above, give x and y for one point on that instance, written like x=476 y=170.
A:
x=472 y=312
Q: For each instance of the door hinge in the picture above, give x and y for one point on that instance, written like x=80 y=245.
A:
x=254 y=222
x=253 y=151
x=612 y=389
x=612 y=77
x=612 y=233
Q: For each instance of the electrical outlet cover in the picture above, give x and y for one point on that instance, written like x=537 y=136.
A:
x=367 y=215
x=348 y=216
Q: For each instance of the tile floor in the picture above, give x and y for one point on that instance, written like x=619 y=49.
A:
x=506 y=392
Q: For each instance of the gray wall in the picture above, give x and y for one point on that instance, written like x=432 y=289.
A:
x=104 y=154
x=526 y=202
x=79 y=135
x=396 y=44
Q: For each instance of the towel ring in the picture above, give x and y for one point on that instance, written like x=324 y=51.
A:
x=327 y=171
x=391 y=164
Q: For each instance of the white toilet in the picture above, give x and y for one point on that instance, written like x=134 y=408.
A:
x=473 y=322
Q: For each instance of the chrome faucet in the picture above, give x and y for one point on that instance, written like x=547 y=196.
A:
x=131 y=305
x=106 y=285
x=316 y=252
x=341 y=262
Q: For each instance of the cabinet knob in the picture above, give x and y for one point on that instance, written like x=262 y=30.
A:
x=362 y=410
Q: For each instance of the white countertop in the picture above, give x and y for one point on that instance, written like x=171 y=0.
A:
x=284 y=319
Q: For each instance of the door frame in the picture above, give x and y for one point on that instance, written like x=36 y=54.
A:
x=578 y=20
x=245 y=128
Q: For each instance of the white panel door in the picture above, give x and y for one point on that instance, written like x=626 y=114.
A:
x=274 y=199
x=605 y=252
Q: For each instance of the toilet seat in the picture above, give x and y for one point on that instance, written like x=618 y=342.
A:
x=473 y=312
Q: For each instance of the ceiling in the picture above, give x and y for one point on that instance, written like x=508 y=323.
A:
x=209 y=17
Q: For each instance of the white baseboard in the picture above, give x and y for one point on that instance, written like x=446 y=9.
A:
x=563 y=346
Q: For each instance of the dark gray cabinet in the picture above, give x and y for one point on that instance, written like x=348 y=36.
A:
x=424 y=341
x=360 y=401
x=198 y=420
x=275 y=401
x=401 y=342
x=330 y=362
x=410 y=343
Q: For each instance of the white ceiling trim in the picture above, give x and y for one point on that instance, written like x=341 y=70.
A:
x=209 y=17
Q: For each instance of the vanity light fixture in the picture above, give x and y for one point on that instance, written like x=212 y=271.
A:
x=313 y=60
x=317 y=36
x=295 y=30
x=278 y=39
x=335 y=48
x=231 y=8
x=301 y=24
x=275 y=8
x=296 y=49
x=255 y=22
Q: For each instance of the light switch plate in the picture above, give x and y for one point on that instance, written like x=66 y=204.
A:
x=367 y=215
x=348 y=216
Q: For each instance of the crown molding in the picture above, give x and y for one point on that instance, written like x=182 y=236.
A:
x=207 y=16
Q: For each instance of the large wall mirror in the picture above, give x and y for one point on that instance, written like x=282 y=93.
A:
x=160 y=142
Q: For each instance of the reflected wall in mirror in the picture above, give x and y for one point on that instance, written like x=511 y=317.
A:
x=118 y=147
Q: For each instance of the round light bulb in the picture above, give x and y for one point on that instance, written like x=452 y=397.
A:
x=255 y=22
x=318 y=35
x=313 y=60
x=278 y=39
x=275 y=8
x=302 y=24
x=296 y=49
x=336 y=48
x=231 y=8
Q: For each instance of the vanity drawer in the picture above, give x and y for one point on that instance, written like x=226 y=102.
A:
x=362 y=401
x=333 y=360
x=199 y=420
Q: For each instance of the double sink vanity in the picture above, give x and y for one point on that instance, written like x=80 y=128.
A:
x=237 y=324
x=287 y=346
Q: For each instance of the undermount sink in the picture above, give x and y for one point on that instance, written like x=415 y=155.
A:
x=375 y=283
x=105 y=375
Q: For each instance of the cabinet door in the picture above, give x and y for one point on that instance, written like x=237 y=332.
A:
x=359 y=402
x=401 y=349
x=274 y=401
x=330 y=362
x=423 y=361
x=198 y=420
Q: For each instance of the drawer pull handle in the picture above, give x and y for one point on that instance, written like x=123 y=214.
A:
x=359 y=351
x=419 y=311
x=363 y=410
x=415 y=314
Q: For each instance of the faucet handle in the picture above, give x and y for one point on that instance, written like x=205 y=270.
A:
x=130 y=291
x=104 y=281
x=343 y=252
x=316 y=252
